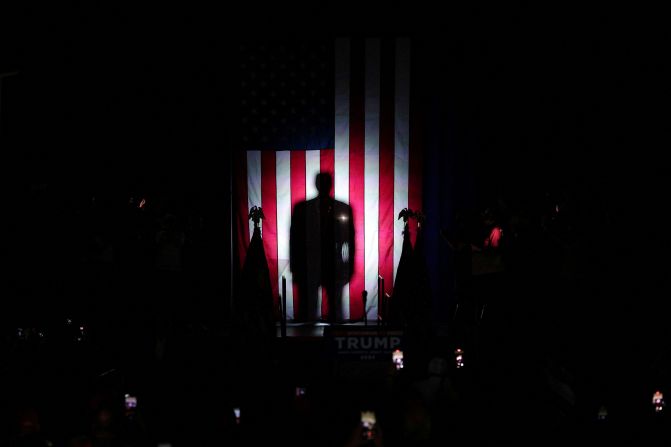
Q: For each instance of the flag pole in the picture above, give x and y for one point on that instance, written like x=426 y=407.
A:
x=364 y=298
x=380 y=299
x=283 y=322
x=387 y=299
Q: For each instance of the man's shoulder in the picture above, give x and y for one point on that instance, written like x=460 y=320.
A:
x=300 y=206
x=342 y=207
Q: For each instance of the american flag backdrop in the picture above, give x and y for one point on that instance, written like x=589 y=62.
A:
x=343 y=108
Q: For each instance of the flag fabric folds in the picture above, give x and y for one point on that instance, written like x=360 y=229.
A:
x=367 y=146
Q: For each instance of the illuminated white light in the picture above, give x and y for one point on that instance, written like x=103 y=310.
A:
x=343 y=217
x=397 y=359
x=658 y=401
x=657 y=398
x=459 y=357
x=344 y=252
x=131 y=401
x=368 y=418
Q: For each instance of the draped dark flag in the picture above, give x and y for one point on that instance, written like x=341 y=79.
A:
x=404 y=285
x=420 y=306
x=254 y=303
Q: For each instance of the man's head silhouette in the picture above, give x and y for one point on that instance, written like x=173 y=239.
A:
x=323 y=183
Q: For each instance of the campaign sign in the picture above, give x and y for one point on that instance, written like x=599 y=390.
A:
x=365 y=344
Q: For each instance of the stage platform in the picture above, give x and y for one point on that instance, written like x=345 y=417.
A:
x=347 y=351
x=320 y=329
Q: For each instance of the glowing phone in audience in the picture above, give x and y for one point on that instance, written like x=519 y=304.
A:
x=459 y=357
x=236 y=411
x=130 y=402
x=368 y=422
x=397 y=358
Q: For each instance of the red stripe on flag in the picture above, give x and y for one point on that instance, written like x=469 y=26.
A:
x=356 y=177
x=297 y=195
x=414 y=183
x=326 y=164
x=269 y=205
x=240 y=186
x=387 y=214
x=415 y=159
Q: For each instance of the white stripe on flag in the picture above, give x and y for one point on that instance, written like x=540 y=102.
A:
x=371 y=173
x=283 y=178
x=312 y=163
x=312 y=166
x=341 y=150
x=401 y=141
x=253 y=184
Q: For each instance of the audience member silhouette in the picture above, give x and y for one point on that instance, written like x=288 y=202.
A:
x=321 y=250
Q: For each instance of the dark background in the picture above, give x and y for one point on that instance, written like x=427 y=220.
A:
x=521 y=102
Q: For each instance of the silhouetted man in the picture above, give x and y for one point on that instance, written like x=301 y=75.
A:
x=321 y=250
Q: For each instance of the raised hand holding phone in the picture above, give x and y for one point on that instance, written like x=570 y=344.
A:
x=130 y=402
x=368 y=422
x=397 y=358
x=366 y=433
